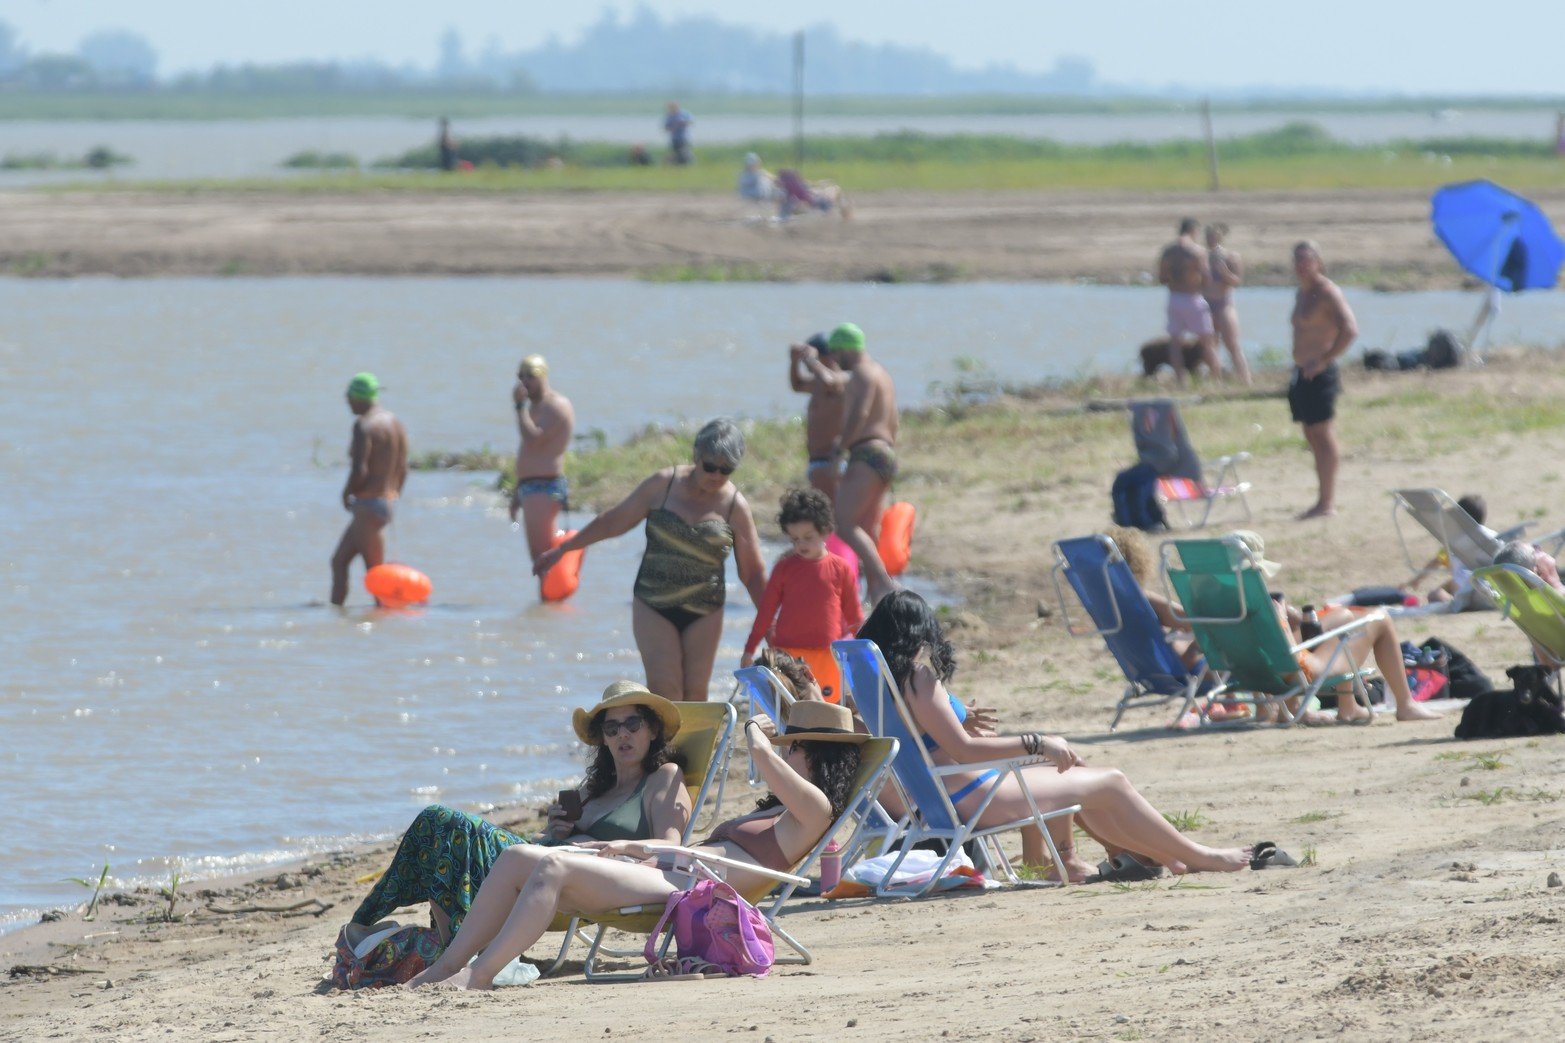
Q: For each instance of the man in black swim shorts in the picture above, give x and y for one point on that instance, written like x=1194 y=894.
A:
x=1323 y=328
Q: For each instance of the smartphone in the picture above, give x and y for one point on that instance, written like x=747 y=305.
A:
x=570 y=800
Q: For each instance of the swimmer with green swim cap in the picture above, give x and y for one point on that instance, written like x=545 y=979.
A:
x=846 y=337
x=364 y=387
x=377 y=470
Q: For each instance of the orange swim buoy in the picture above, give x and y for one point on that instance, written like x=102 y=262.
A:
x=397 y=586
x=896 y=537
x=561 y=581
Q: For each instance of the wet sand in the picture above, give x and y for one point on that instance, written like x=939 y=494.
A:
x=1428 y=913
x=1371 y=237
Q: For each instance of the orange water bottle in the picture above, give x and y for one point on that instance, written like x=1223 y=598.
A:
x=831 y=866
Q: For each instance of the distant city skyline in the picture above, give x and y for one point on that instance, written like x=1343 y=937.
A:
x=1441 y=47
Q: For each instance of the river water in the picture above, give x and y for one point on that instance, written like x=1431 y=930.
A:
x=173 y=691
x=257 y=148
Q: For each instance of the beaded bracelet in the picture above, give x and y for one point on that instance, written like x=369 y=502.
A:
x=1031 y=742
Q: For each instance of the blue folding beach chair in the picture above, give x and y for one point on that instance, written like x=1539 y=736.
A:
x=767 y=695
x=931 y=815
x=1122 y=616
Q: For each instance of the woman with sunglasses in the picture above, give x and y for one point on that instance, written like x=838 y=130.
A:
x=810 y=774
x=694 y=515
x=634 y=790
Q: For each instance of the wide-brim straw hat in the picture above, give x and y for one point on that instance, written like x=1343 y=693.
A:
x=811 y=721
x=627 y=693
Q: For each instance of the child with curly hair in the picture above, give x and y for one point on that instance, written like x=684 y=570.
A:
x=812 y=597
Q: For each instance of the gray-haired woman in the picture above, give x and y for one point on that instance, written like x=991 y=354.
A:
x=694 y=515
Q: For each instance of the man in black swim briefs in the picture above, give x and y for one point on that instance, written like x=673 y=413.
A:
x=1323 y=328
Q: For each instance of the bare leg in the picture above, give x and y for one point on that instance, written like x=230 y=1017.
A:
x=540 y=511
x=662 y=654
x=1119 y=814
x=1380 y=640
x=698 y=652
x=825 y=479
x=1227 y=321
x=1322 y=439
x=1176 y=357
x=536 y=885
x=1209 y=356
x=364 y=537
x=858 y=500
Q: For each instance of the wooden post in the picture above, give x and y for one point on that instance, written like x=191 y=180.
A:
x=1213 y=184
x=798 y=101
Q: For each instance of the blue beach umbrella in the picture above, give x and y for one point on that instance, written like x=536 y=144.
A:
x=1498 y=236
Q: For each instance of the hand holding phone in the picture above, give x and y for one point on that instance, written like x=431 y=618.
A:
x=570 y=804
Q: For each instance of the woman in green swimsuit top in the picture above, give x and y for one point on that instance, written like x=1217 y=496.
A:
x=634 y=790
x=693 y=516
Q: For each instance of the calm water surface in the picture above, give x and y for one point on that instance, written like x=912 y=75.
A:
x=172 y=450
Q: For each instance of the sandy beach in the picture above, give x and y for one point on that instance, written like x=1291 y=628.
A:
x=1375 y=238
x=1427 y=914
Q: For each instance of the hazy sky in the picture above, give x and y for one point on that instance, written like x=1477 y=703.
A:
x=1452 y=46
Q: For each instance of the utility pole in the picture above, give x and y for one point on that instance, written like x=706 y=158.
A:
x=1213 y=184
x=798 y=101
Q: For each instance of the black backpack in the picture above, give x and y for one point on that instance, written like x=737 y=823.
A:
x=1444 y=351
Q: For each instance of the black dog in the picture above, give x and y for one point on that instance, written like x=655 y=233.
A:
x=1532 y=707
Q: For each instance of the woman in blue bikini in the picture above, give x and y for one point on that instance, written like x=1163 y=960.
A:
x=922 y=661
x=694 y=516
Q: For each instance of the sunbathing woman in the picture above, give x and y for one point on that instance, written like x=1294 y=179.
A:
x=634 y=790
x=922 y=661
x=693 y=515
x=811 y=783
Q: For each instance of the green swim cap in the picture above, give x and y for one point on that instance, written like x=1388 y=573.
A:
x=364 y=386
x=846 y=337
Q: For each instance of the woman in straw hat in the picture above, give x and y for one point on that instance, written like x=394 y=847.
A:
x=634 y=790
x=809 y=768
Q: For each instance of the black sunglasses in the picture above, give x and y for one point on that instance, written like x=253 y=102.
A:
x=710 y=468
x=631 y=726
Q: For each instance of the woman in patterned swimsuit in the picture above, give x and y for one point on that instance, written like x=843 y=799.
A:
x=693 y=516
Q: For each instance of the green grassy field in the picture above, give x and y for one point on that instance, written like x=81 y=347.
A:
x=1295 y=157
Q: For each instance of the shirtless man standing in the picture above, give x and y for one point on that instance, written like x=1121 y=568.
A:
x=379 y=468
x=1323 y=327
x=1183 y=269
x=869 y=433
x=1224 y=272
x=546 y=421
x=824 y=414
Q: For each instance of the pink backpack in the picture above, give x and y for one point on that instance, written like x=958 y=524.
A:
x=712 y=923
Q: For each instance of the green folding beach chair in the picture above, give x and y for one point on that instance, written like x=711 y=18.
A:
x=1534 y=606
x=1223 y=593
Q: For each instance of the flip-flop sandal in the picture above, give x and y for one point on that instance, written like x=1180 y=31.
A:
x=687 y=968
x=1266 y=855
x=1124 y=868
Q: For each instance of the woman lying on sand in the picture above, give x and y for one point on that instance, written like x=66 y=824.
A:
x=810 y=783
x=634 y=790
x=922 y=661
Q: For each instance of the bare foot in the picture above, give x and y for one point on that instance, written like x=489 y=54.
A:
x=1318 y=511
x=1223 y=860
x=1417 y=712
x=1355 y=715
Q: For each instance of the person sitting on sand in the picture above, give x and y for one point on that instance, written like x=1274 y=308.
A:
x=634 y=790
x=693 y=515
x=798 y=195
x=756 y=183
x=812 y=597
x=922 y=661
x=1378 y=639
x=810 y=785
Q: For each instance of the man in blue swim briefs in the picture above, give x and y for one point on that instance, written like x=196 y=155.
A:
x=813 y=370
x=376 y=474
x=546 y=421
